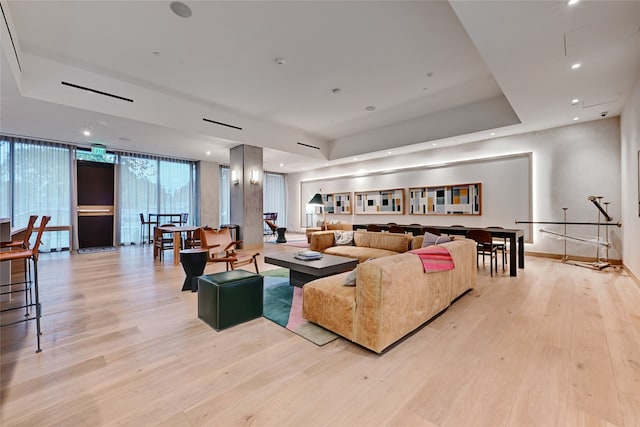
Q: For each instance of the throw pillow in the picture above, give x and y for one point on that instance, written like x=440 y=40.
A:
x=343 y=238
x=432 y=239
x=350 y=278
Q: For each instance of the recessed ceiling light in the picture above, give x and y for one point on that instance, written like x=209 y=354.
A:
x=434 y=144
x=87 y=132
x=156 y=53
x=180 y=9
x=575 y=101
x=576 y=66
x=576 y=118
x=430 y=74
x=370 y=107
x=492 y=133
x=388 y=152
x=335 y=90
x=280 y=61
x=355 y=159
x=281 y=165
x=208 y=153
x=572 y=2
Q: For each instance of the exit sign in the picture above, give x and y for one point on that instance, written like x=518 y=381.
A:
x=98 y=149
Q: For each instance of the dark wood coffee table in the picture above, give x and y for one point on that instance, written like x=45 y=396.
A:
x=301 y=272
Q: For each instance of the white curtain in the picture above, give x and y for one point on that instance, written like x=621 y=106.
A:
x=39 y=184
x=274 y=196
x=153 y=185
x=225 y=196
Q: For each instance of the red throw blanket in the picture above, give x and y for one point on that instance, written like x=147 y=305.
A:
x=435 y=258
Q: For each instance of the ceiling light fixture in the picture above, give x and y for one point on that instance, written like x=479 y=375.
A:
x=281 y=165
x=576 y=66
x=180 y=9
x=572 y=2
x=434 y=144
x=492 y=133
x=370 y=107
x=208 y=153
x=87 y=132
x=575 y=101
x=576 y=118
x=335 y=90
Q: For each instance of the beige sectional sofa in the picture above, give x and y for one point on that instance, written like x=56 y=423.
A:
x=392 y=297
x=366 y=244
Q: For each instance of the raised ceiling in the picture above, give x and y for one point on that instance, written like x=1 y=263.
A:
x=446 y=72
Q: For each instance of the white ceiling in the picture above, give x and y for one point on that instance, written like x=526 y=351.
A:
x=437 y=72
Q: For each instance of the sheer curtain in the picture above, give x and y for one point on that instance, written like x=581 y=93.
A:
x=5 y=179
x=39 y=184
x=274 y=195
x=138 y=194
x=150 y=184
x=225 y=196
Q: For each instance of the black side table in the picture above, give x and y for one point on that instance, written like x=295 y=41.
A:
x=193 y=262
x=281 y=238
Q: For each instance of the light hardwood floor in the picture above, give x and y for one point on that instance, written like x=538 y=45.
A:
x=557 y=346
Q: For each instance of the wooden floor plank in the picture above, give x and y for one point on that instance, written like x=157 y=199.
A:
x=558 y=345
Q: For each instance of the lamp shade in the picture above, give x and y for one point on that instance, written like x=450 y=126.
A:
x=316 y=200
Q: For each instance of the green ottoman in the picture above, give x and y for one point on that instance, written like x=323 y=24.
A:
x=229 y=298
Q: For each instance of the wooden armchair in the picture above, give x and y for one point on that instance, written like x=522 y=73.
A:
x=223 y=249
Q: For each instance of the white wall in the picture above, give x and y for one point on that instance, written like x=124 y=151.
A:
x=567 y=165
x=630 y=146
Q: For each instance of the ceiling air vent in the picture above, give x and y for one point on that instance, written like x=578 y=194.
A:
x=221 y=124
x=307 y=145
x=99 y=92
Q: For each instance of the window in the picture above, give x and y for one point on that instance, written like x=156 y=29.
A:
x=225 y=195
x=154 y=185
x=274 y=196
x=36 y=181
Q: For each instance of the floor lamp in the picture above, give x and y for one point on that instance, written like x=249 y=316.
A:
x=317 y=201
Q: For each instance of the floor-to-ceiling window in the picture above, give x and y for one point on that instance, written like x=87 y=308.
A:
x=274 y=196
x=225 y=196
x=36 y=181
x=150 y=184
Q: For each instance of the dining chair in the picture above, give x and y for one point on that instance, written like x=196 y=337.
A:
x=484 y=246
x=223 y=249
x=143 y=224
x=500 y=243
x=30 y=254
x=161 y=241
x=396 y=229
x=193 y=240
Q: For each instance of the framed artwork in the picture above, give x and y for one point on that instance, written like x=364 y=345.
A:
x=461 y=199
x=387 y=202
x=337 y=203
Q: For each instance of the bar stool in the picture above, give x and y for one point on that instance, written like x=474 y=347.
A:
x=28 y=254
x=142 y=224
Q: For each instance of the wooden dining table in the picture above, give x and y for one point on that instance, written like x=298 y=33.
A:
x=515 y=236
x=177 y=231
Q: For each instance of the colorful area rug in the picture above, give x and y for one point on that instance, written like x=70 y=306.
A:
x=283 y=305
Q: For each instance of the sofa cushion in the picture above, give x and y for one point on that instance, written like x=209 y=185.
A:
x=433 y=239
x=389 y=241
x=362 y=253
